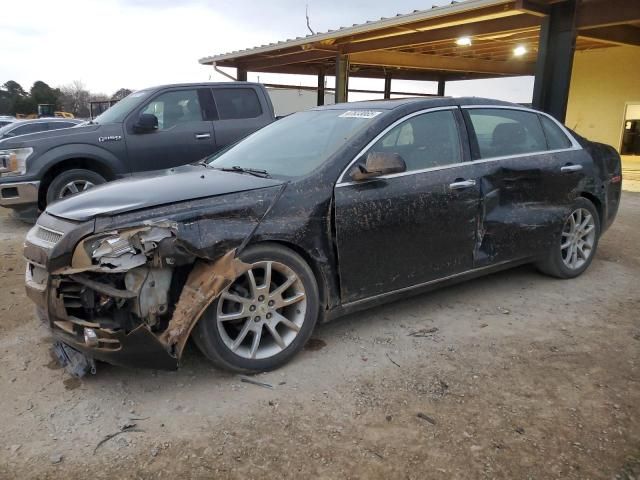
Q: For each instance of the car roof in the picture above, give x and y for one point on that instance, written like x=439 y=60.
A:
x=417 y=102
x=203 y=84
x=44 y=119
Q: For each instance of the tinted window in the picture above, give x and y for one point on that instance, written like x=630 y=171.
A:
x=31 y=128
x=501 y=132
x=175 y=107
x=58 y=125
x=556 y=139
x=237 y=103
x=424 y=141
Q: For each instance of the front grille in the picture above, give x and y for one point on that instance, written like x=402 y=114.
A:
x=48 y=236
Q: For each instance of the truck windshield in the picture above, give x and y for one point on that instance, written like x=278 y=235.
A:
x=116 y=113
x=295 y=145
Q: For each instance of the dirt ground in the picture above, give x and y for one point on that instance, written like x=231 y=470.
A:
x=515 y=375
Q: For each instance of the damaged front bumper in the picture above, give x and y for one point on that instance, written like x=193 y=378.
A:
x=133 y=314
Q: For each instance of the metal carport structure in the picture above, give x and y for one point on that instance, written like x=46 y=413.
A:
x=461 y=41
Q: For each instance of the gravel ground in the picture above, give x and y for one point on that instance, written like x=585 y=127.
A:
x=515 y=375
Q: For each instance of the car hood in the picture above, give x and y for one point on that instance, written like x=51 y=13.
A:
x=152 y=189
x=74 y=134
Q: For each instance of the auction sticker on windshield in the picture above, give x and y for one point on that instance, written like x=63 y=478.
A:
x=360 y=114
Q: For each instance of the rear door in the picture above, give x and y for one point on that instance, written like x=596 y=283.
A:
x=240 y=112
x=530 y=172
x=184 y=133
x=402 y=230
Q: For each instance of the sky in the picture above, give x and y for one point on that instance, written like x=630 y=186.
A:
x=112 y=44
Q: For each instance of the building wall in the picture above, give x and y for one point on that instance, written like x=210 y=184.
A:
x=289 y=100
x=602 y=83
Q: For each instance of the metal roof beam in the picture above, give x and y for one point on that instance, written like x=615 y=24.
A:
x=607 y=13
x=435 y=62
x=616 y=35
x=518 y=22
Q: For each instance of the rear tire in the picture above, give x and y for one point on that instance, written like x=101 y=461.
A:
x=71 y=182
x=574 y=248
x=265 y=316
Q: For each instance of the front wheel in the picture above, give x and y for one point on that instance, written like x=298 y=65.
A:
x=71 y=182
x=265 y=316
x=572 y=253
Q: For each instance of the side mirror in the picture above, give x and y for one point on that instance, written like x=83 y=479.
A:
x=147 y=122
x=377 y=164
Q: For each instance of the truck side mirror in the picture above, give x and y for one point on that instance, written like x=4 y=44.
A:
x=147 y=122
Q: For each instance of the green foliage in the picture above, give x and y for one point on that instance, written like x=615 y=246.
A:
x=14 y=99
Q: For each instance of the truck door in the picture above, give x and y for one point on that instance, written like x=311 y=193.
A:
x=240 y=112
x=184 y=133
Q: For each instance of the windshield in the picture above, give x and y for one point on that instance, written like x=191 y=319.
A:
x=295 y=145
x=116 y=113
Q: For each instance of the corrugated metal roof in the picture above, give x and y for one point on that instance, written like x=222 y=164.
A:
x=371 y=25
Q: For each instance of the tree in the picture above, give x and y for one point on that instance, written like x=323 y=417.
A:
x=120 y=94
x=11 y=93
x=43 y=93
x=75 y=98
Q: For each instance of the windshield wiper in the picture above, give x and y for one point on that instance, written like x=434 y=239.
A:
x=256 y=172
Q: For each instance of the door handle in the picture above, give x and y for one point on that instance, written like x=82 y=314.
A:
x=462 y=184
x=200 y=136
x=571 y=168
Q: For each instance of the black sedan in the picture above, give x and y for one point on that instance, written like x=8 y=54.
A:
x=322 y=213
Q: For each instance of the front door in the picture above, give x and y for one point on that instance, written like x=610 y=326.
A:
x=184 y=134
x=406 y=229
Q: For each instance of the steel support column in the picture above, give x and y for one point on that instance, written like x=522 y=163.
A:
x=555 y=59
x=342 y=78
x=320 y=87
x=387 y=85
x=441 y=86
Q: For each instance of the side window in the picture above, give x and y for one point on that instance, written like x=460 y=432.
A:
x=58 y=125
x=502 y=132
x=173 y=108
x=31 y=128
x=234 y=103
x=556 y=138
x=424 y=141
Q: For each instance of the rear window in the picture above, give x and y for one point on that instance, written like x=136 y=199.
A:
x=556 y=138
x=234 y=103
x=503 y=132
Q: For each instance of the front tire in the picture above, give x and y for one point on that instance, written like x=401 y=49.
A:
x=265 y=316
x=573 y=251
x=71 y=182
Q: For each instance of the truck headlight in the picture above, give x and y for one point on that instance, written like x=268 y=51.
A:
x=13 y=161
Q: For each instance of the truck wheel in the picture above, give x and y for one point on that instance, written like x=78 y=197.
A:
x=572 y=252
x=71 y=182
x=265 y=316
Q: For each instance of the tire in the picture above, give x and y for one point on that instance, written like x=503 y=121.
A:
x=558 y=263
x=60 y=186
x=224 y=323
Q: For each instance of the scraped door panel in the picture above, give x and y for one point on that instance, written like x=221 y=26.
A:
x=398 y=232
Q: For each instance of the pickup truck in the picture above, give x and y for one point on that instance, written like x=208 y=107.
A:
x=151 y=129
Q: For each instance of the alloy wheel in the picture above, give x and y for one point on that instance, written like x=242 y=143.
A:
x=74 y=187
x=262 y=311
x=578 y=238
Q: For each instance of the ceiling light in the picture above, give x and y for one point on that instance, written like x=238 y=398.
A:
x=463 y=41
x=519 y=51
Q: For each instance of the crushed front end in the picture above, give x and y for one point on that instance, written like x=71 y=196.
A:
x=129 y=297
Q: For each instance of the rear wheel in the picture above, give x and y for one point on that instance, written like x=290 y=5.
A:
x=72 y=182
x=265 y=316
x=572 y=253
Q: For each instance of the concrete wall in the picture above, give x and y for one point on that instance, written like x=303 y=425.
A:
x=603 y=81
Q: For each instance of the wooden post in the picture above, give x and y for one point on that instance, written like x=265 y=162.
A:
x=441 y=86
x=342 y=78
x=387 y=85
x=241 y=75
x=321 y=87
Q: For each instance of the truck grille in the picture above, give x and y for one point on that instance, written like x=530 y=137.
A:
x=50 y=237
